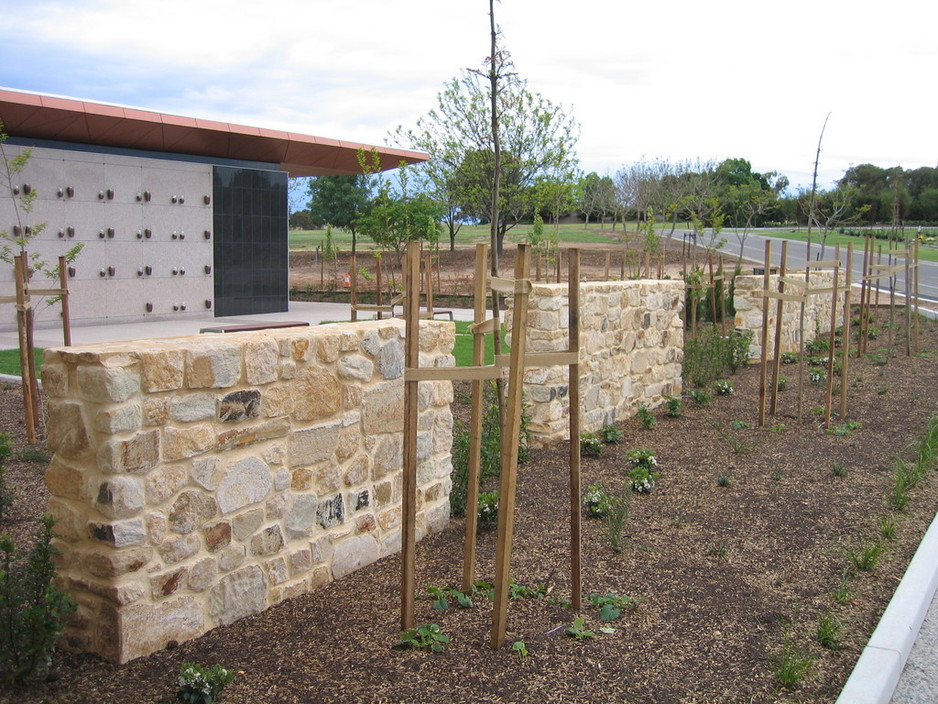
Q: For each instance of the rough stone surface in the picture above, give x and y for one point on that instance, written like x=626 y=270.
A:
x=246 y=482
x=200 y=480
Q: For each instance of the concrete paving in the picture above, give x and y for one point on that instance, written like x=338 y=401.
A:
x=312 y=313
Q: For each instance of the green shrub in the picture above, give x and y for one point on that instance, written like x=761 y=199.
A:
x=200 y=685
x=32 y=609
x=490 y=456
x=488 y=507
x=591 y=445
x=710 y=355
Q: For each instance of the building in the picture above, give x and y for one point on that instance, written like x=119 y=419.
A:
x=176 y=215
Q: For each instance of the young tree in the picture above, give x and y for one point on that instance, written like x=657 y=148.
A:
x=339 y=201
x=534 y=137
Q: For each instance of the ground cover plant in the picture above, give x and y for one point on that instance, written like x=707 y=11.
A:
x=740 y=591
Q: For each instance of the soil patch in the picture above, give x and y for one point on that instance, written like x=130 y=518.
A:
x=726 y=575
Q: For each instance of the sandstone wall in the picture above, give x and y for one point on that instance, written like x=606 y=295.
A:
x=201 y=479
x=747 y=298
x=631 y=352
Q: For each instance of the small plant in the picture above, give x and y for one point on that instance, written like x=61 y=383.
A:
x=441 y=598
x=724 y=480
x=39 y=455
x=595 y=501
x=201 y=685
x=789 y=358
x=673 y=406
x=488 y=507
x=739 y=445
x=887 y=527
x=723 y=387
x=828 y=631
x=591 y=445
x=818 y=344
x=791 y=666
x=611 y=605
x=817 y=361
x=719 y=549
x=839 y=469
x=642 y=473
x=6 y=492
x=776 y=475
x=646 y=417
x=522 y=591
x=578 y=630
x=817 y=376
x=484 y=588
x=428 y=637
x=866 y=558
x=782 y=383
x=844 y=429
x=740 y=424
x=616 y=515
x=519 y=647
x=777 y=428
x=610 y=435
x=841 y=593
x=700 y=397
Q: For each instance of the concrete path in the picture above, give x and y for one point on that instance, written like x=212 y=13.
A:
x=312 y=313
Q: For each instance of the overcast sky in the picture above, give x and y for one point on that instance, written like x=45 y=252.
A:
x=678 y=79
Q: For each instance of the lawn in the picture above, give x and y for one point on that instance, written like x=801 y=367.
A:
x=10 y=361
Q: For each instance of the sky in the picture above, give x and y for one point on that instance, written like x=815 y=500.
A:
x=671 y=79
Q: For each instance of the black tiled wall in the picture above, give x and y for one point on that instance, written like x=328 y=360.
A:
x=250 y=241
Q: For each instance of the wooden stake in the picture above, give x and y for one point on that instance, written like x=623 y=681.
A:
x=66 y=316
x=475 y=424
x=779 y=312
x=915 y=289
x=378 y=287
x=573 y=326
x=606 y=273
x=508 y=479
x=765 y=331
x=409 y=499
x=828 y=402
x=353 y=288
x=845 y=357
x=22 y=303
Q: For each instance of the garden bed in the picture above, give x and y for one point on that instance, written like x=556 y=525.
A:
x=728 y=577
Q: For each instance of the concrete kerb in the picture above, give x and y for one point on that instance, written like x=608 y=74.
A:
x=874 y=679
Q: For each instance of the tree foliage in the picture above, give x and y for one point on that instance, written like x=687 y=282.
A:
x=538 y=138
x=339 y=201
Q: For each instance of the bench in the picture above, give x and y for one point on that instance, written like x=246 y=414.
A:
x=250 y=327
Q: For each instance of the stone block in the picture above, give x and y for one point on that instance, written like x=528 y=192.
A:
x=383 y=408
x=252 y=434
x=120 y=534
x=267 y=542
x=168 y=583
x=164 y=482
x=217 y=536
x=352 y=554
x=239 y=405
x=237 y=595
x=260 y=361
x=213 y=365
x=107 y=384
x=109 y=563
x=355 y=366
x=277 y=400
x=179 y=549
x=312 y=445
x=66 y=431
x=180 y=443
x=331 y=512
x=202 y=574
x=162 y=370
x=120 y=497
x=192 y=407
x=64 y=480
x=191 y=510
x=247 y=481
x=317 y=393
x=144 y=628
x=137 y=454
x=391 y=360
x=119 y=419
x=246 y=524
x=301 y=516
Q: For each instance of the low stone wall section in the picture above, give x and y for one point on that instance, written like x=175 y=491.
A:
x=202 y=479
x=631 y=352
x=747 y=299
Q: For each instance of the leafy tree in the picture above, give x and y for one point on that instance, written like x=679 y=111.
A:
x=597 y=195
x=397 y=217
x=339 y=201
x=537 y=137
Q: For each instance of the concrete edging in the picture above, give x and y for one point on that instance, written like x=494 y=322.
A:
x=876 y=674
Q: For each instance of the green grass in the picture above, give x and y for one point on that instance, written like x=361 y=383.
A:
x=463 y=348
x=929 y=254
x=10 y=361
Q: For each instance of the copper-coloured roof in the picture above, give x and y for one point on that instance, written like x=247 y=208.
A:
x=31 y=115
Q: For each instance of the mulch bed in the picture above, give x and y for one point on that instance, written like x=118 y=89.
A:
x=727 y=575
